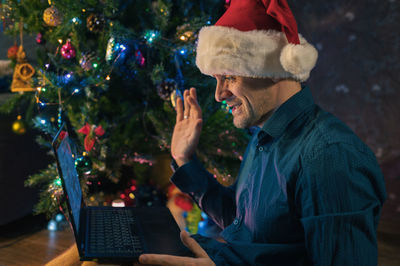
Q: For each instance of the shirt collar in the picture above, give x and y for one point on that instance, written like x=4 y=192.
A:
x=286 y=113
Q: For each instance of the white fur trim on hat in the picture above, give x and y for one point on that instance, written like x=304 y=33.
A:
x=257 y=53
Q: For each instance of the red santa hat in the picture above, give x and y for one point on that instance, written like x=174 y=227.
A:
x=256 y=38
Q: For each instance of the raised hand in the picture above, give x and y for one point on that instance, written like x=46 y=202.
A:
x=187 y=128
x=202 y=259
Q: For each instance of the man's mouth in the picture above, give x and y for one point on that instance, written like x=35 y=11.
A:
x=234 y=107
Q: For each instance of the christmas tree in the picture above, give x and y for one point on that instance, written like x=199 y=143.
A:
x=112 y=70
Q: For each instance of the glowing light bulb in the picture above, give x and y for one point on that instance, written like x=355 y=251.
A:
x=108 y=77
x=52 y=225
x=59 y=217
x=57 y=182
x=60 y=41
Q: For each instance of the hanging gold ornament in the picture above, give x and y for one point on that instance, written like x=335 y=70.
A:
x=23 y=73
x=18 y=127
x=52 y=16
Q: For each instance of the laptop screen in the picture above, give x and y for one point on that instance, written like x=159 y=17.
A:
x=71 y=180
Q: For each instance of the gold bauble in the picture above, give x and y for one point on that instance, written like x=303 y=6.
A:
x=18 y=127
x=52 y=16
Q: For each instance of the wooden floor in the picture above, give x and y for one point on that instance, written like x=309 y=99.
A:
x=39 y=245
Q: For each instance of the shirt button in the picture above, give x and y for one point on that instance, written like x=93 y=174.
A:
x=235 y=222
x=260 y=148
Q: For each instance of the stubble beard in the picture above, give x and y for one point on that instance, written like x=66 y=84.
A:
x=244 y=119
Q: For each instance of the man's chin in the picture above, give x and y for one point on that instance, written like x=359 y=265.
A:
x=241 y=123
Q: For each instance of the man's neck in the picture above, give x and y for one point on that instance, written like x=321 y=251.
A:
x=285 y=90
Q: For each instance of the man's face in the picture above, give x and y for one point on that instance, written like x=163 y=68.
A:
x=252 y=100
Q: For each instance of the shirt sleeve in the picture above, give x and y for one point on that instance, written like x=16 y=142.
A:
x=213 y=198
x=339 y=195
x=240 y=253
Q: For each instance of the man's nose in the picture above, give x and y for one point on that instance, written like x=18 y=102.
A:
x=221 y=92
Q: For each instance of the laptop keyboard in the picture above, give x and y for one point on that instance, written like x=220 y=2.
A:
x=113 y=232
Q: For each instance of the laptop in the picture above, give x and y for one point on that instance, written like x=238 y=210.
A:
x=113 y=234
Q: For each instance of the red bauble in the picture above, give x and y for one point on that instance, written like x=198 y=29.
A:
x=67 y=50
x=12 y=52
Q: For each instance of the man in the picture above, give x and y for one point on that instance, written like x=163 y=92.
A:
x=309 y=192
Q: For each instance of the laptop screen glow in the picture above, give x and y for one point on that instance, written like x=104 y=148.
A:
x=71 y=180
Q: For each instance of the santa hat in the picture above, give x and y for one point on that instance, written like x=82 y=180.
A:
x=256 y=38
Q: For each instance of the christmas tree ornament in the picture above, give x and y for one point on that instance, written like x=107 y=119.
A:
x=165 y=88
x=95 y=23
x=39 y=39
x=67 y=50
x=116 y=50
x=86 y=61
x=52 y=16
x=110 y=50
x=12 y=52
x=83 y=163
x=92 y=132
x=23 y=73
x=18 y=127
x=139 y=58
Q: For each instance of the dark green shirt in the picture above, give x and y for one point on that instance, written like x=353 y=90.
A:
x=309 y=192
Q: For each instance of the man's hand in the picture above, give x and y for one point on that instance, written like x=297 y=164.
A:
x=187 y=128
x=202 y=259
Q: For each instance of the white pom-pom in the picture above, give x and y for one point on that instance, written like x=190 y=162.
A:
x=299 y=59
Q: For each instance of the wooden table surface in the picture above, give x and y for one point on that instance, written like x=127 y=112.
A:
x=40 y=247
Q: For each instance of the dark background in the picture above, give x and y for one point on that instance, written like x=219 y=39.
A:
x=356 y=78
x=20 y=156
